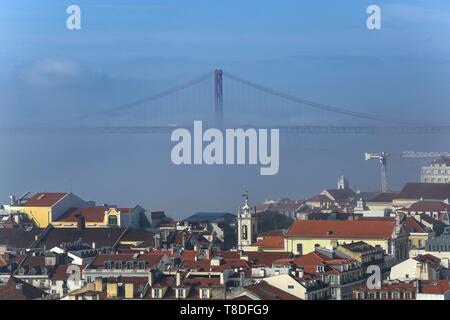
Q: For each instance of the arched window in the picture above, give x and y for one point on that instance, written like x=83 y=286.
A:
x=244 y=232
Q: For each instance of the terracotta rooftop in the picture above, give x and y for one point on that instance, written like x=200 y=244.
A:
x=271 y=242
x=16 y=289
x=376 y=228
x=430 y=191
x=151 y=259
x=93 y=214
x=265 y=291
x=265 y=258
x=414 y=226
x=383 y=197
x=428 y=206
x=434 y=287
x=45 y=199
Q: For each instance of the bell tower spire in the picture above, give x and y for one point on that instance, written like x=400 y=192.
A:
x=246 y=225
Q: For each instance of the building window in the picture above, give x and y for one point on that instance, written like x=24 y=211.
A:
x=371 y=295
x=244 y=232
x=359 y=295
x=204 y=293
x=290 y=286
x=130 y=265
x=180 y=293
x=407 y=295
x=112 y=220
x=118 y=265
x=156 y=293
x=383 y=295
x=107 y=264
x=395 y=295
x=142 y=265
x=299 y=248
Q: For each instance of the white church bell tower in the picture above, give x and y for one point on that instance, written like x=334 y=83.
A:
x=246 y=226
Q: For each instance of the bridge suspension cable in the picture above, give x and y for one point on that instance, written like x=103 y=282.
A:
x=324 y=107
x=135 y=103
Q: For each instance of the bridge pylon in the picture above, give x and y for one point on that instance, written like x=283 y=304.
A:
x=218 y=97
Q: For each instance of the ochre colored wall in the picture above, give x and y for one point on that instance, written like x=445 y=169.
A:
x=39 y=214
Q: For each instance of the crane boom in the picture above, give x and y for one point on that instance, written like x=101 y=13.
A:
x=382 y=158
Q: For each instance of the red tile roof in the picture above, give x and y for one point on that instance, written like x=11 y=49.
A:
x=200 y=282
x=310 y=261
x=152 y=259
x=189 y=254
x=414 y=226
x=342 y=229
x=271 y=242
x=61 y=272
x=398 y=286
x=94 y=214
x=265 y=291
x=431 y=191
x=45 y=199
x=383 y=197
x=16 y=289
x=265 y=258
x=434 y=287
x=204 y=265
x=428 y=206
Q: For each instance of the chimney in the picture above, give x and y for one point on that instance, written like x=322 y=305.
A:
x=98 y=284
x=93 y=245
x=129 y=291
x=151 y=277
x=177 y=279
x=81 y=224
x=300 y=272
x=111 y=289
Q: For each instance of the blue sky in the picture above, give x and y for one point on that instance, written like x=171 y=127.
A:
x=318 y=50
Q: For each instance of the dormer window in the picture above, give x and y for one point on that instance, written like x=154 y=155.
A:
x=180 y=293
x=320 y=269
x=129 y=265
x=112 y=221
x=142 y=265
x=156 y=293
x=107 y=264
x=118 y=265
x=204 y=293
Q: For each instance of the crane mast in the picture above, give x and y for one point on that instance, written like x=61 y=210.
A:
x=382 y=158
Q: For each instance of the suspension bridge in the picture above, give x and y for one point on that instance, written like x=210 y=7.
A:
x=221 y=99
